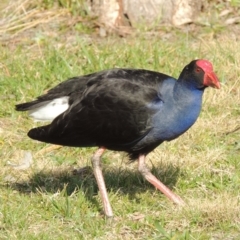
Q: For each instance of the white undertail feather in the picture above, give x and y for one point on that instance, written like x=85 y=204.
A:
x=50 y=110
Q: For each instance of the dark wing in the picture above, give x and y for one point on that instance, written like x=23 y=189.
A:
x=74 y=87
x=112 y=112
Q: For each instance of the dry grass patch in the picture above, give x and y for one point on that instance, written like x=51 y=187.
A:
x=211 y=213
x=19 y=16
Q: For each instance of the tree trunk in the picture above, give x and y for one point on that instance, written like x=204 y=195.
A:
x=117 y=13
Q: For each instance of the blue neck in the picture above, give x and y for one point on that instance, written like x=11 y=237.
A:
x=180 y=111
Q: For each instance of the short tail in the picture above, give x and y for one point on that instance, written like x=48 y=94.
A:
x=29 y=105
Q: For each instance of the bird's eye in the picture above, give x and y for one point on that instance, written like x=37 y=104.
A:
x=198 y=70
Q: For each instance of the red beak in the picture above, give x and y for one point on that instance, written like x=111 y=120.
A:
x=211 y=80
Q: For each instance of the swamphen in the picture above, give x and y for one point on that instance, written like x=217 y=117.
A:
x=130 y=110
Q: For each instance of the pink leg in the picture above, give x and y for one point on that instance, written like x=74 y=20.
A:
x=100 y=181
x=155 y=182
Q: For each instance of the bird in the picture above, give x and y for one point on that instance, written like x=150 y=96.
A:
x=122 y=109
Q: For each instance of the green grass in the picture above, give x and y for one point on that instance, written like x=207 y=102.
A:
x=47 y=201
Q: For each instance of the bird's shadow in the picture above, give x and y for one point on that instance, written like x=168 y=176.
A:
x=118 y=179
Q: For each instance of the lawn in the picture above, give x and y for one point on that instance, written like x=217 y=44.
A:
x=41 y=198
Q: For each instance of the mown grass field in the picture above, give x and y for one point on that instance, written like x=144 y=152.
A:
x=40 y=198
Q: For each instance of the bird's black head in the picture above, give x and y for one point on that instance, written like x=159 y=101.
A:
x=199 y=73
